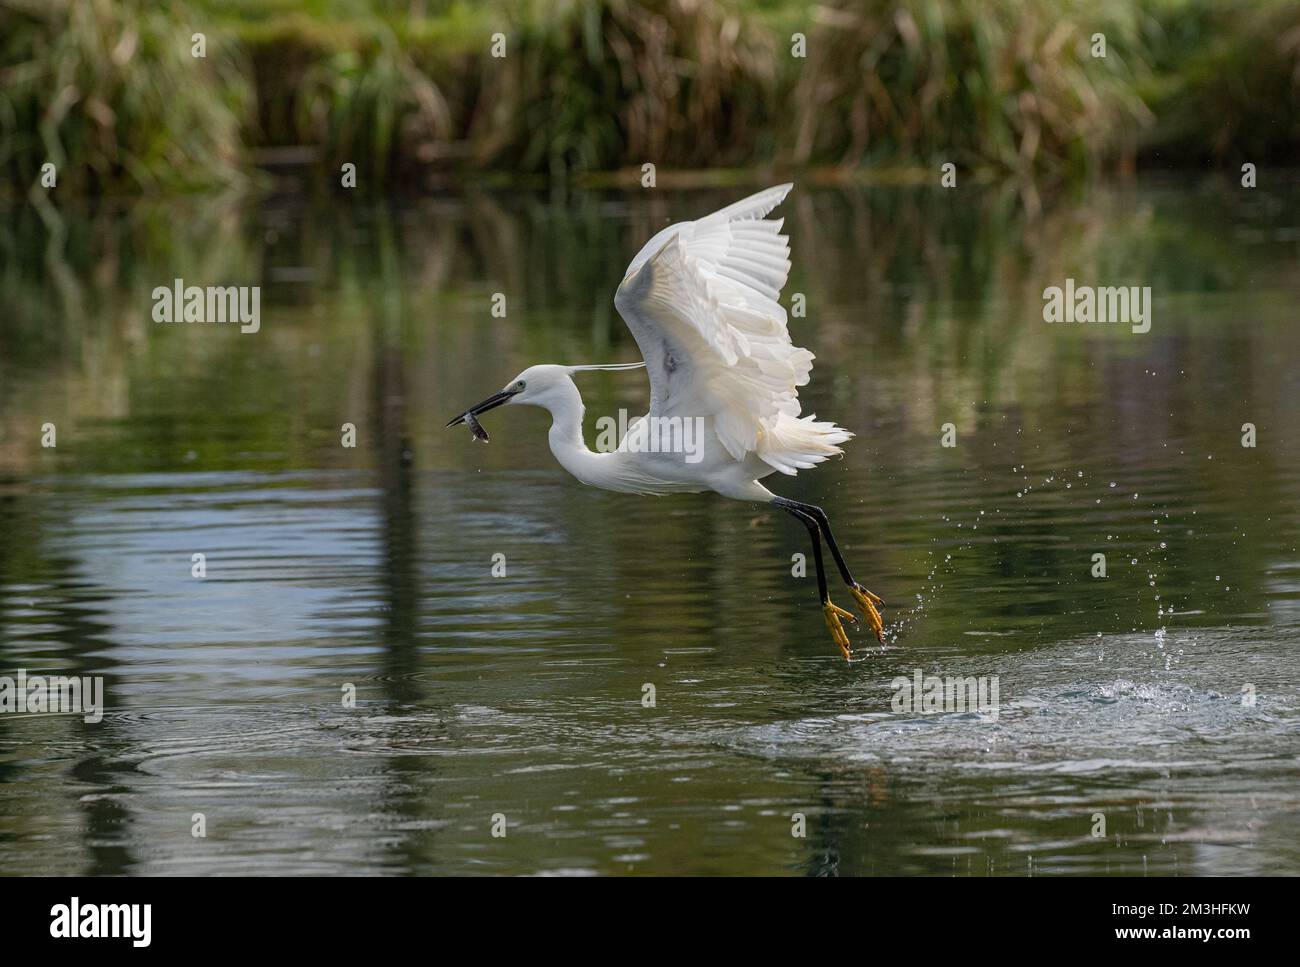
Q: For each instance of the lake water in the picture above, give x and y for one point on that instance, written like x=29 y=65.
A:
x=1123 y=699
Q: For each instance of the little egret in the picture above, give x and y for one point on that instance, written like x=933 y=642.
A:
x=701 y=301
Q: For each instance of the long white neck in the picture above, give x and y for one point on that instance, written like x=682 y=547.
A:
x=565 y=405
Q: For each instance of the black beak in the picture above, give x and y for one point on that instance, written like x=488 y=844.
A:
x=491 y=403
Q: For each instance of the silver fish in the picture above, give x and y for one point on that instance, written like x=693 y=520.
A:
x=476 y=428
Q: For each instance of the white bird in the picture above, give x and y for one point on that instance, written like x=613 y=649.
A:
x=701 y=301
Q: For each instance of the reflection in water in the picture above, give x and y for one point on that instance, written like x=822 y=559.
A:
x=393 y=448
x=522 y=695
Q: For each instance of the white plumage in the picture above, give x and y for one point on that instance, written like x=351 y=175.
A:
x=701 y=301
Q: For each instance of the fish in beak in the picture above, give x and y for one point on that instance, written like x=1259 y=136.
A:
x=491 y=403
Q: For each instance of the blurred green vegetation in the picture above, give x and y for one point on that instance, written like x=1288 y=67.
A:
x=110 y=93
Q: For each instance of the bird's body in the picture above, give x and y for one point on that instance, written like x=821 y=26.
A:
x=635 y=468
x=700 y=298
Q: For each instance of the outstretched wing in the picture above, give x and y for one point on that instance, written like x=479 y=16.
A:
x=701 y=301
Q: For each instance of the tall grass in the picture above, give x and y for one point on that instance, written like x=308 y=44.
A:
x=597 y=84
x=1015 y=86
x=1229 y=86
x=107 y=90
x=110 y=93
x=351 y=90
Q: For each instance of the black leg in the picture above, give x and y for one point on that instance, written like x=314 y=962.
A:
x=824 y=523
x=818 y=523
x=810 y=522
x=830 y=611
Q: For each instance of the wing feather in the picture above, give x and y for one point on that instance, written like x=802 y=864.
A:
x=701 y=301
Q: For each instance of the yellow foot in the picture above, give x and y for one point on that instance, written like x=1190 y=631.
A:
x=867 y=602
x=833 y=615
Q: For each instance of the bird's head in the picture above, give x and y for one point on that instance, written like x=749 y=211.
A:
x=540 y=385
x=544 y=385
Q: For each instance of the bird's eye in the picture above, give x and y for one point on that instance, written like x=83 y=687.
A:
x=521 y=386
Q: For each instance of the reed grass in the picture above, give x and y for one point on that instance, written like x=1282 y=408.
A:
x=404 y=88
x=108 y=91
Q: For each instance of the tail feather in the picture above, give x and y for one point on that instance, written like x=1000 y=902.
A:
x=790 y=444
